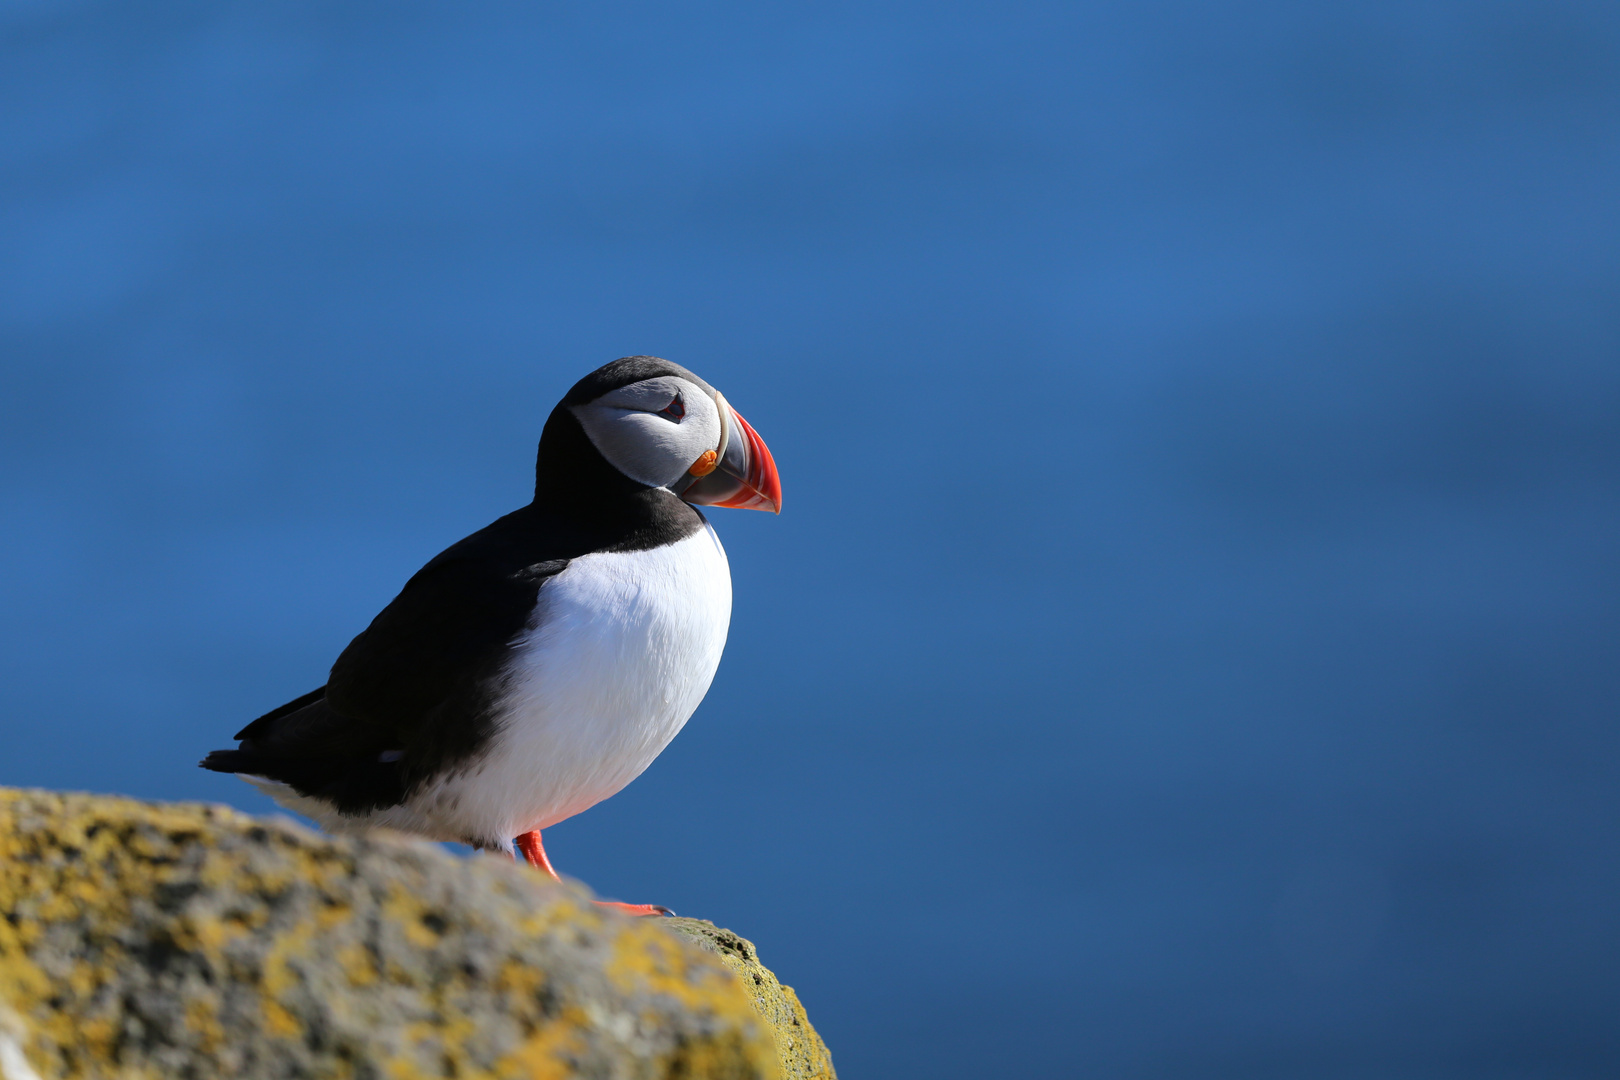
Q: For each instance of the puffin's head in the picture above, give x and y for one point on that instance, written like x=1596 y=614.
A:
x=662 y=426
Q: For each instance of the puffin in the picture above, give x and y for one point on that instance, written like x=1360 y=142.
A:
x=536 y=667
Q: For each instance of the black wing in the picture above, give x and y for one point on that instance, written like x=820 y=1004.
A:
x=413 y=692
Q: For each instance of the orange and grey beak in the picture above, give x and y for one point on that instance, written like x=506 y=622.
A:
x=740 y=473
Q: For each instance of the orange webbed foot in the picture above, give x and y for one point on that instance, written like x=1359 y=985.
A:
x=534 y=853
x=634 y=909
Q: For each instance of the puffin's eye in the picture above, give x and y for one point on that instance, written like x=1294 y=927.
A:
x=675 y=410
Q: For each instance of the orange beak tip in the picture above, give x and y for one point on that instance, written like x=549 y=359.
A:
x=763 y=487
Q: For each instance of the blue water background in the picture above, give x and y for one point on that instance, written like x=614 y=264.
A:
x=1191 y=645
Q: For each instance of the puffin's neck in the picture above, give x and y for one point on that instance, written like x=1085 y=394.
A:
x=571 y=477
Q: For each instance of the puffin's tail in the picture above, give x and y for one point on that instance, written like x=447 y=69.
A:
x=319 y=753
x=246 y=759
x=231 y=761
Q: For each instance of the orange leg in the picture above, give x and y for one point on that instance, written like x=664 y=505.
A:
x=535 y=855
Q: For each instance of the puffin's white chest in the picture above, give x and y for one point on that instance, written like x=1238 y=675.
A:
x=620 y=651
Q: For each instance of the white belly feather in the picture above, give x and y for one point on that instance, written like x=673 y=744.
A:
x=620 y=651
x=625 y=648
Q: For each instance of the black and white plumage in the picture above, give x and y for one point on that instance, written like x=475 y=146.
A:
x=539 y=665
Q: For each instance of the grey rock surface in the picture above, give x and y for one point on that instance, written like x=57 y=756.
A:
x=141 y=940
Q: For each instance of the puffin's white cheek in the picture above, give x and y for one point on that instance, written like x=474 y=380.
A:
x=643 y=447
x=647 y=448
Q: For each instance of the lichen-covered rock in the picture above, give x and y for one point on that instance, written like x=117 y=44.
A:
x=141 y=940
x=802 y=1054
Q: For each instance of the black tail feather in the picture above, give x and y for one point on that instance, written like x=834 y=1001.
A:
x=231 y=761
x=353 y=785
x=320 y=753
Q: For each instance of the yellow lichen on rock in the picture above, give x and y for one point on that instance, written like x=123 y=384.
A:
x=801 y=1053
x=157 y=941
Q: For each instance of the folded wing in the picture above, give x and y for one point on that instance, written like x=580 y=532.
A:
x=414 y=692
